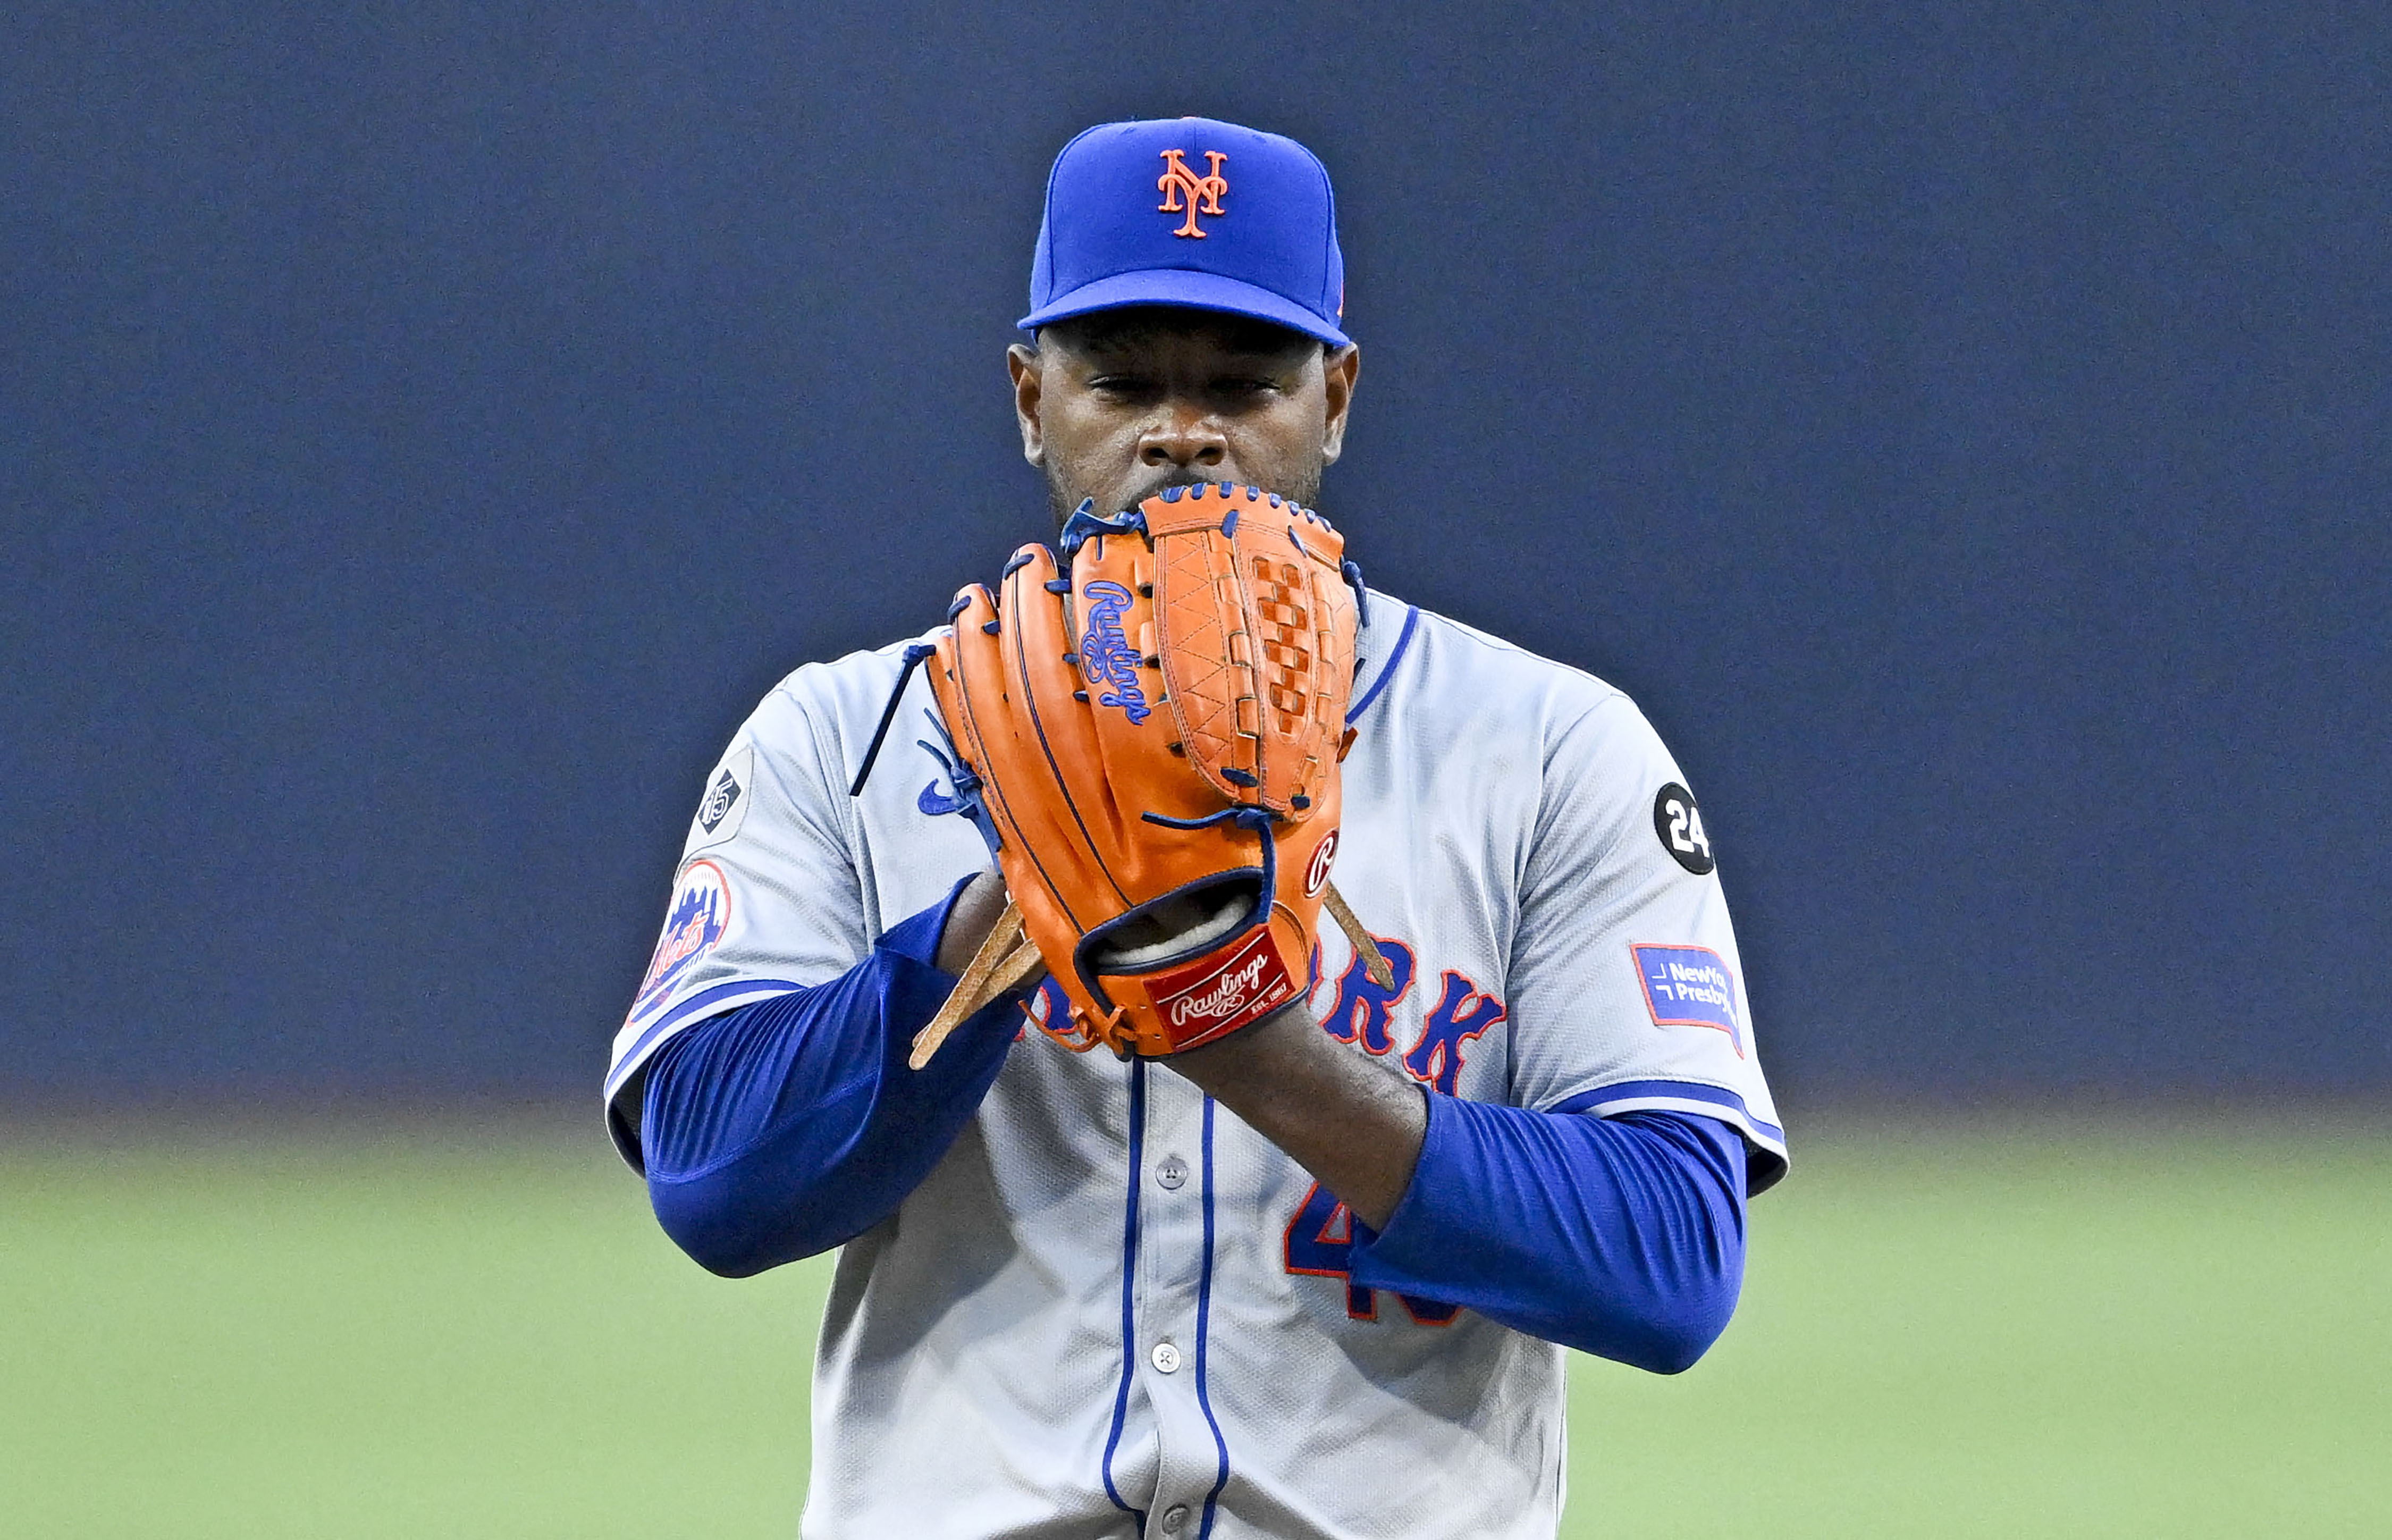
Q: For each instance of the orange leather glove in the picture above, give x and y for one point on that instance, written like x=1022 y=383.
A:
x=1156 y=737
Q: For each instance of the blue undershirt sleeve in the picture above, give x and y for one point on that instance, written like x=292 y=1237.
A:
x=785 y=1127
x=1622 y=1236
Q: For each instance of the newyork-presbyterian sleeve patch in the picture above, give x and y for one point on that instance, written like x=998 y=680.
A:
x=1688 y=987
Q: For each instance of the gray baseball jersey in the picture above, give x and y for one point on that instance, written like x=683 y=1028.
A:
x=1112 y=1302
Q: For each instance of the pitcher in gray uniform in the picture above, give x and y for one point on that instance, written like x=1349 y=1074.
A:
x=1316 y=1279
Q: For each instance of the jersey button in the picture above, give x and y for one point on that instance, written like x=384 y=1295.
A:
x=1167 y=1358
x=1171 y=1173
x=1174 y=1516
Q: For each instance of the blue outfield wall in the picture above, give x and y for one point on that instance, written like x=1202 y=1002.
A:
x=427 y=431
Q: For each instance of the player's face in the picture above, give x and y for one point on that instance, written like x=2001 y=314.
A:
x=1117 y=406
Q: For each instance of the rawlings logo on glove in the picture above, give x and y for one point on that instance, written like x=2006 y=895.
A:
x=1105 y=654
x=1243 y=989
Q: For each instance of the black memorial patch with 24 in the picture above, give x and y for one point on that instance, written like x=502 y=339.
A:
x=1680 y=824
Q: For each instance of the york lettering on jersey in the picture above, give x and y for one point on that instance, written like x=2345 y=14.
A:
x=1462 y=1013
x=1364 y=1013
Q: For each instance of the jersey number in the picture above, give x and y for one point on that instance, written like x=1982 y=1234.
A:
x=1321 y=1241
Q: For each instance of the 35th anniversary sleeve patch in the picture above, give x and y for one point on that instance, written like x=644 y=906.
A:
x=728 y=792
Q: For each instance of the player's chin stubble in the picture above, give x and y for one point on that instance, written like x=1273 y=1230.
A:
x=1065 y=495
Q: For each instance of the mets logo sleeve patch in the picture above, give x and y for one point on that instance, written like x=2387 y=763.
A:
x=701 y=913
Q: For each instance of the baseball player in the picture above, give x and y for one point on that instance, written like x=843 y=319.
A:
x=1314 y=1278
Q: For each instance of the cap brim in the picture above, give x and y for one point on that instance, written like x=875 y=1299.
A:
x=1188 y=290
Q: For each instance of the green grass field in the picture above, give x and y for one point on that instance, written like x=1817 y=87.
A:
x=480 y=1333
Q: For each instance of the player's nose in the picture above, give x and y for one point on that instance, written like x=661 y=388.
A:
x=1183 y=436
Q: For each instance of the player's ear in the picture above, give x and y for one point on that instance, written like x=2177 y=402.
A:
x=1023 y=361
x=1340 y=367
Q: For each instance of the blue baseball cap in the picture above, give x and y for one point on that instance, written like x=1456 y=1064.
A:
x=1190 y=211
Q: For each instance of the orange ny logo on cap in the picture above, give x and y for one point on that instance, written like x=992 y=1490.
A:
x=1177 y=179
